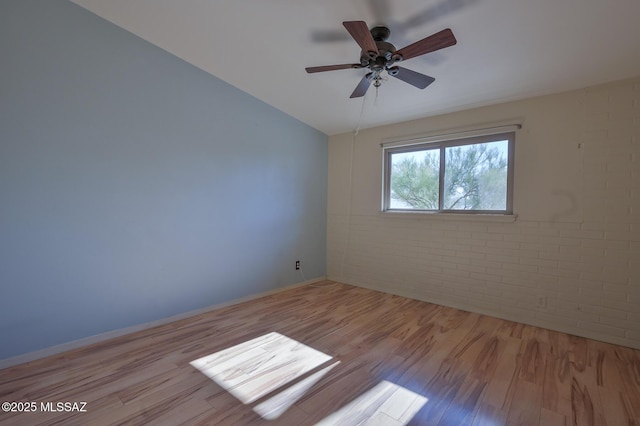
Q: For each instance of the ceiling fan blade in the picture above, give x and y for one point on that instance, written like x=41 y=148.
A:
x=436 y=11
x=362 y=87
x=413 y=78
x=361 y=34
x=325 y=36
x=437 y=41
x=332 y=68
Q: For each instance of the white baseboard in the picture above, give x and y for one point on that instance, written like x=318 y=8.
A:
x=86 y=341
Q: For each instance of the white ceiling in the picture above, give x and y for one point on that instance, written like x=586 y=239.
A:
x=507 y=49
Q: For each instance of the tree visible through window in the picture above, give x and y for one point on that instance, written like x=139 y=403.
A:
x=465 y=175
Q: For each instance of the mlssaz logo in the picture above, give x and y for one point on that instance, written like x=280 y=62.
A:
x=80 y=407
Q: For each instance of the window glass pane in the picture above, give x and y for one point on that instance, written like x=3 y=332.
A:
x=475 y=176
x=414 y=180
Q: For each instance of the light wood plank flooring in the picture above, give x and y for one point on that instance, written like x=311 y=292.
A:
x=331 y=353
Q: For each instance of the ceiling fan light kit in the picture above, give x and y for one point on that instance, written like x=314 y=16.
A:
x=380 y=56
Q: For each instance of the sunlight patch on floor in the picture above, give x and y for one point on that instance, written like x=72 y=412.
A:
x=258 y=367
x=384 y=404
x=275 y=406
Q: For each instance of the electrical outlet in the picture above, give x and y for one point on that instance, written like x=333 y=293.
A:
x=542 y=302
x=297 y=265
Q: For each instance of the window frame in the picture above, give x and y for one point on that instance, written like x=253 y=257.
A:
x=388 y=151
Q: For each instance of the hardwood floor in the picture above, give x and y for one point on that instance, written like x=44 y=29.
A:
x=334 y=354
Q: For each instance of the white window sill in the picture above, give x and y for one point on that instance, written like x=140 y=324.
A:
x=467 y=217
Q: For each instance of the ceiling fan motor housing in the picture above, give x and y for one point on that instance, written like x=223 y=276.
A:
x=386 y=55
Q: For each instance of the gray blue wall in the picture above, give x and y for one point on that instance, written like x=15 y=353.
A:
x=134 y=186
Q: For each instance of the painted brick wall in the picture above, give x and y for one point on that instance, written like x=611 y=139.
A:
x=575 y=243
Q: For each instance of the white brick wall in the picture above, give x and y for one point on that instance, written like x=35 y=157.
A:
x=576 y=241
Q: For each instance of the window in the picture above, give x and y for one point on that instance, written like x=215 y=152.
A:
x=466 y=175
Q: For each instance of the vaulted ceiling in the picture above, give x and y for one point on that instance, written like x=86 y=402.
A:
x=506 y=50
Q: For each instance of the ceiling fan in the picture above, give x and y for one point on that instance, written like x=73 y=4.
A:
x=379 y=56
